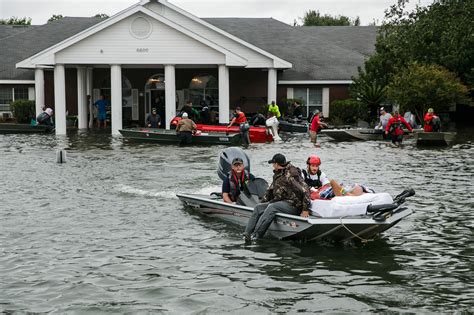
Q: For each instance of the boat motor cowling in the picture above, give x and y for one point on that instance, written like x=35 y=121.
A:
x=225 y=161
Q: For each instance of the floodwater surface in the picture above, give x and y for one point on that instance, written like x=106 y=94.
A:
x=105 y=232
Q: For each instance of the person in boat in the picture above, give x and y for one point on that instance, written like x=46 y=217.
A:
x=313 y=176
x=185 y=129
x=432 y=122
x=46 y=118
x=236 y=181
x=240 y=120
x=410 y=118
x=153 y=120
x=288 y=193
x=394 y=128
x=189 y=109
x=205 y=115
x=274 y=109
x=384 y=118
x=316 y=124
x=297 y=110
x=334 y=189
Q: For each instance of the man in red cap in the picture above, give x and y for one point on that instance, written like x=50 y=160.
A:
x=288 y=193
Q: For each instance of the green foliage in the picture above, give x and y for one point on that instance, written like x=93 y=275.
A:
x=55 y=17
x=16 y=21
x=23 y=110
x=369 y=92
x=348 y=111
x=314 y=18
x=419 y=87
x=286 y=105
x=101 y=15
x=442 y=33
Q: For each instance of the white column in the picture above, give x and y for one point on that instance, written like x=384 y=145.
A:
x=272 y=86
x=39 y=90
x=60 y=99
x=116 y=98
x=170 y=94
x=89 y=92
x=81 y=98
x=325 y=102
x=224 y=99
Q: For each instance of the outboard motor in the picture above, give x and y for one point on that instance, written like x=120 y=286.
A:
x=225 y=161
x=272 y=125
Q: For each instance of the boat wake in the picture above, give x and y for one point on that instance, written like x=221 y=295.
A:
x=165 y=194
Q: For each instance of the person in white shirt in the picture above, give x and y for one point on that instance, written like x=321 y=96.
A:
x=384 y=118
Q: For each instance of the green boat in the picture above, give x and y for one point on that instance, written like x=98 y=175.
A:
x=435 y=138
x=7 y=128
x=170 y=136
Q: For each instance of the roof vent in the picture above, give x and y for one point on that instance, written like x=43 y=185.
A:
x=140 y=28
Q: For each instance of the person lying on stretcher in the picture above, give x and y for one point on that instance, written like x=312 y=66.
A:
x=334 y=189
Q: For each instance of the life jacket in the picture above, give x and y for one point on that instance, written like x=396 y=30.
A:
x=235 y=186
x=396 y=125
x=274 y=109
x=312 y=182
x=241 y=118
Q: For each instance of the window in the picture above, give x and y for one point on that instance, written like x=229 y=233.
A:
x=21 y=93
x=6 y=97
x=204 y=91
x=312 y=97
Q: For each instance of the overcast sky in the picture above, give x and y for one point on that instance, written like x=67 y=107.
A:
x=284 y=10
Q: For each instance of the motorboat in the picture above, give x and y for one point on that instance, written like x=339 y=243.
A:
x=257 y=134
x=369 y=221
x=170 y=136
x=435 y=138
x=9 y=128
x=358 y=134
x=293 y=126
x=354 y=134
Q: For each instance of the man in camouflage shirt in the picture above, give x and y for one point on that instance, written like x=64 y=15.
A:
x=288 y=193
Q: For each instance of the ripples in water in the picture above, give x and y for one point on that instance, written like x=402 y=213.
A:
x=105 y=233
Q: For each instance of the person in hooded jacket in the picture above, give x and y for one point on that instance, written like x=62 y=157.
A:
x=236 y=181
x=394 y=128
x=288 y=193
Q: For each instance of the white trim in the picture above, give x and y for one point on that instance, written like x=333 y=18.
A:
x=17 y=81
x=232 y=58
x=277 y=62
x=317 y=82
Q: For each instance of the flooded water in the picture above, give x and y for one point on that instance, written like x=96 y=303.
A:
x=104 y=232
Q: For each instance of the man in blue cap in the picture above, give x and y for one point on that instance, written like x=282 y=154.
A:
x=288 y=193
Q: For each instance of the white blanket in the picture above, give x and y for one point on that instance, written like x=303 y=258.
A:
x=348 y=205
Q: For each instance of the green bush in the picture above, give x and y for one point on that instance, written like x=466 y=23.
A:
x=23 y=110
x=348 y=111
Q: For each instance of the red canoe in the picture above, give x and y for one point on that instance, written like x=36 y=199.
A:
x=257 y=134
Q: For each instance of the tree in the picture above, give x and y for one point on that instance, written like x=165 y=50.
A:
x=419 y=87
x=442 y=33
x=55 y=17
x=314 y=18
x=101 y=15
x=16 y=21
x=368 y=91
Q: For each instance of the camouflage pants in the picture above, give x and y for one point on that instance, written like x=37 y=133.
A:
x=263 y=215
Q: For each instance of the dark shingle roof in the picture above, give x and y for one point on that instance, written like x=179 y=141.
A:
x=19 y=46
x=11 y=30
x=317 y=53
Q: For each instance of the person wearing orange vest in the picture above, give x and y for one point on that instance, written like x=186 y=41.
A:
x=240 y=119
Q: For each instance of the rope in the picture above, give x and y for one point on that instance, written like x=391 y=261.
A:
x=363 y=240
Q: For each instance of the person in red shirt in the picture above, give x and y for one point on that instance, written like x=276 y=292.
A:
x=431 y=121
x=316 y=123
x=240 y=120
x=394 y=128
